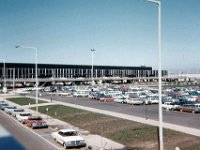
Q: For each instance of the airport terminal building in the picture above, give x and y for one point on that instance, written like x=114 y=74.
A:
x=27 y=71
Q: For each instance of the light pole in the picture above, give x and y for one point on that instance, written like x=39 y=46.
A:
x=4 y=75
x=36 y=72
x=158 y=3
x=92 y=50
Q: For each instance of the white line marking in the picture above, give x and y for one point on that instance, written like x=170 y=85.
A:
x=45 y=134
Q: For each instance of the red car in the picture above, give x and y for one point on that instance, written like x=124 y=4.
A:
x=35 y=122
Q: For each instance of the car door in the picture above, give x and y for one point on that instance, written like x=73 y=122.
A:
x=60 y=137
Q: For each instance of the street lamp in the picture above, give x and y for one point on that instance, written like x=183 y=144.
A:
x=36 y=72
x=92 y=50
x=4 y=75
x=158 y=3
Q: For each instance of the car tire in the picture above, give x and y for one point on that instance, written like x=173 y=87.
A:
x=65 y=146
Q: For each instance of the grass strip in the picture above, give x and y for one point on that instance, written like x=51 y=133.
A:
x=132 y=134
x=25 y=100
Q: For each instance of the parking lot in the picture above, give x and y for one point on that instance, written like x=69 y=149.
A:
x=144 y=111
x=44 y=135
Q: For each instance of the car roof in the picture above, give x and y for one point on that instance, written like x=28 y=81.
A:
x=197 y=104
x=67 y=130
x=19 y=109
x=35 y=117
x=11 y=107
x=25 y=113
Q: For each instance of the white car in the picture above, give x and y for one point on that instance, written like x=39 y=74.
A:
x=121 y=100
x=9 y=109
x=23 y=116
x=64 y=93
x=167 y=106
x=69 y=138
x=16 y=111
x=135 y=101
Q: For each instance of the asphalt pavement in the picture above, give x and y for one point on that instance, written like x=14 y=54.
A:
x=144 y=111
x=179 y=121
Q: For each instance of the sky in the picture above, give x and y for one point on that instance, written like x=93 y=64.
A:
x=123 y=32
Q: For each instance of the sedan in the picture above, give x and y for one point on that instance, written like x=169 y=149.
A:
x=69 y=138
x=135 y=101
x=9 y=109
x=16 y=111
x=188 y=108
x=35 y=122
x=22 y=116
x=3 y=106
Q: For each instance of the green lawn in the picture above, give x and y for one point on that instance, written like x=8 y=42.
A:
x=132 y=134
x=24 y=100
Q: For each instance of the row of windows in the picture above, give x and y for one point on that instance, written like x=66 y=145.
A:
x=71 y=73
x=19 y=70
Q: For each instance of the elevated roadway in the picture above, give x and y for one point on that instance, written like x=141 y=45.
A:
x=144 y=79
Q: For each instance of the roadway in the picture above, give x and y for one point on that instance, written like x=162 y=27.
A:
x=29 y=139
x=145 y=111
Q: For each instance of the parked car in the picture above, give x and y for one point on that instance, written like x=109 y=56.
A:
x=105 y=99
x=9 y=109
x=2 y=101
x=121 y=100
x=16 y=111
x=35 y=122
x=22 y=116
x=197 y=105
x=69 y=138
x=3 y=105
x=81 y=93
x=167 y=105
x=154 y=99
x=135 y=101
x=188 y=108
x=177 y=104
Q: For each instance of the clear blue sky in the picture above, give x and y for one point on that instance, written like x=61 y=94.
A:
x=123 y=32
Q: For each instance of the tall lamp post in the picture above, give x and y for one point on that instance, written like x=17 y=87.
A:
x=4 y=75
x=92 y=50
x=36 y=72
x=158 y=3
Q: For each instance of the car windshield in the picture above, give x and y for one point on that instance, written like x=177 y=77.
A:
x=18 y=110
x=70 y=133
x=11 y=107
x=25 y=114
x=4 y=104
x=35 y=118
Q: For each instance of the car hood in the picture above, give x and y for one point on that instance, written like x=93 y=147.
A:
x=73 y=138
x=37 y=121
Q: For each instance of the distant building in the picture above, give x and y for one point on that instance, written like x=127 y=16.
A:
x=155 y=73
x=27 y=71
